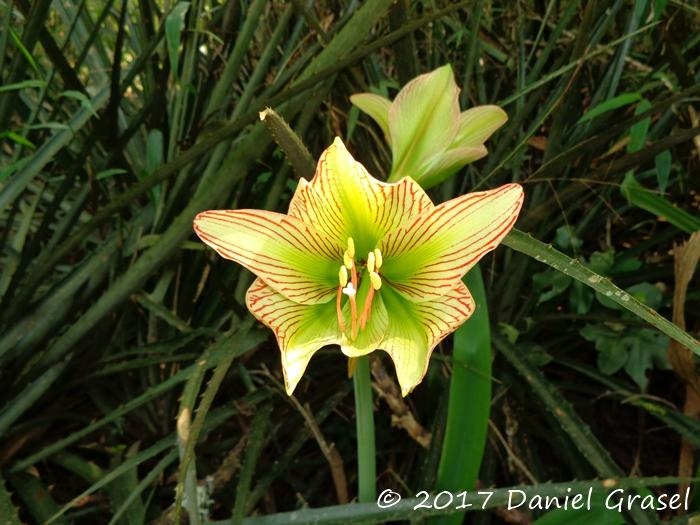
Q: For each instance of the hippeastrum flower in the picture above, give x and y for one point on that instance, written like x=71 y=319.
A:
x=430 y=138
x=361 y=263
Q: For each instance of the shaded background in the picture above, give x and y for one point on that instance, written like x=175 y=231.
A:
x=121 y=120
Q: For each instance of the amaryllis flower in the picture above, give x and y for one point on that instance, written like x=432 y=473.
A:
x=430 y=138
x=361 y=263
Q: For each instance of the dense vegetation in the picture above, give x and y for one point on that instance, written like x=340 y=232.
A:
x=129 y=364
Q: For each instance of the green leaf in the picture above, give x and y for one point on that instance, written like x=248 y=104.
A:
x=612 y=356
x=650 y=201
x=85 y=102
x=154 y=151
x=22 y=85
x=659 y=6
x=105 y=174
x=566 y=239
x=38 y=499
x=25 y=52
x=7 y=509
x=550 y=284
x=601 y=262
x=174 y=23
x=646 y=293
x=469 y=400
x=637 y=350
x=19 y=139
x=662 y=162
x=648 y=350
x=376 y=107
x=580 y=298
x=638 y=362
x=625 y=99
x=639 y=131
x=541 y=252
x=606 y=300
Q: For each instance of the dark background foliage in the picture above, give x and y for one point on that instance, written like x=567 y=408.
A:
x=121 y=120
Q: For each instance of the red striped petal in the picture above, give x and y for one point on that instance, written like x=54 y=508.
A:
x=415 y=329
x=343 y=200
x=292 y=257
x=301 y=330
x=428 y=255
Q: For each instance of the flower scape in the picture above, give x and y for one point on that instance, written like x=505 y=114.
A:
x=361 y=263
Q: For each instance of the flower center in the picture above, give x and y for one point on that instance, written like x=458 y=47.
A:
x=349 y=279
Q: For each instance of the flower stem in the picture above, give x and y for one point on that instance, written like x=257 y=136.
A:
x=364 y=417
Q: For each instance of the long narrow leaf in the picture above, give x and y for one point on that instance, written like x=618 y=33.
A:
x=469 y=402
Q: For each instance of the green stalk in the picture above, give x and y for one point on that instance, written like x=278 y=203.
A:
x=364 y=418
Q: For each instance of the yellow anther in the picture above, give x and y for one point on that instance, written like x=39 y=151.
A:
x=351 y=248
x=370 y=262
x=377 y=258
x=375 y=280
x=343 y=276
x=347 y=260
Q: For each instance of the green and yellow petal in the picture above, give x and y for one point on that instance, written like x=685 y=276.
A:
x=423 y=119
x=376 y=107
x=301 y=330
x=477 y=124
x=427 y=256
x=343 y=200
x=292 y=257
x=414 y=329
x=445 y=164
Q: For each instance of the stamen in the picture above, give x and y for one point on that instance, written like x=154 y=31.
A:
x=353 y=276
x=348 y=288
x=353 y=316
x=367 y=308
x=377 y=258
x=376 y=280
x=339 y=310
x=349 y=254
x=351 y=289
x=351 y=247
x=374 y=261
